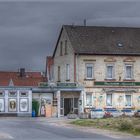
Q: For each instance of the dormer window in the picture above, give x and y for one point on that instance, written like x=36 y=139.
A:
x=120 y=44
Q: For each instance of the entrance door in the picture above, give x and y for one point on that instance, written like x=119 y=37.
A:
x=68 y=105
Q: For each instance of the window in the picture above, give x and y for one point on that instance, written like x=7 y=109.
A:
x=128 y=100
x=75 y=102
x=1 y=94
x=89 y=99
x=12 y=94
x=67 y=72
x=128 y=71
x=89 y=71
x=61 y=48
x=109 y=99
x=110 y=72
x=23 y=94
x=58 y=73
x=66 y=48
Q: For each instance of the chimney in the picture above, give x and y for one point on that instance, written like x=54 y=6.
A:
x=22 y=72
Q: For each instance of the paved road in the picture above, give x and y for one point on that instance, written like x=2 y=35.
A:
x=35 y=129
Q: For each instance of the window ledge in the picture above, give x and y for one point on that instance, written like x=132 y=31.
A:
x=92 y=79
x=110 y=79
x=131 y=80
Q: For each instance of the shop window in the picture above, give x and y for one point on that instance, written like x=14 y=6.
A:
x=89 y=71
x=128 y=100
x=109 y=99
x=89 y=99
x=128 y=71
x=61 y=103
x=109 y=71
x=75 y=102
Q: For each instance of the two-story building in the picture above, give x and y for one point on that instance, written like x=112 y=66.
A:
x=105 y=61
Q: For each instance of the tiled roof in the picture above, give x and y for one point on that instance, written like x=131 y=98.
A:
x=104 y=40
x=30 y=78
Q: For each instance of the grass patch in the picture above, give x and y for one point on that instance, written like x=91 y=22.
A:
x=127 y=124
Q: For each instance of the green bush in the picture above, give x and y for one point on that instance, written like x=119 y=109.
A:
x=35 y=106
x=125 y=125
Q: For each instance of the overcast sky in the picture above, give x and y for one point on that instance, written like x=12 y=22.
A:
x=29 y=30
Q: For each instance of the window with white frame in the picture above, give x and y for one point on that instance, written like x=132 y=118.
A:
x=109 y=71
x=109 y=99
x=128 y=100
x=67 y=71
x=88 y=99
x=128 y=71
x=89 y=71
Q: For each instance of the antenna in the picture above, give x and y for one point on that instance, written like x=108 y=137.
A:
x=85 y=22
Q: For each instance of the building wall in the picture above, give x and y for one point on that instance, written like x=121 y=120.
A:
x=100 y=63
x=18 y=99
x=63 y=60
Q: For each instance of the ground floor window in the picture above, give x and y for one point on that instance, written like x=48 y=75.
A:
x=109 y=99
x=128 y=100
x=88 y=99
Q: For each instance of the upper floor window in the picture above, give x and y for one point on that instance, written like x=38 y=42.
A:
x=110 y=71
x=128 y=71
x=128 y=100
x=67 y=72
x=58 y=74
x=89 y=71
x=61 y=48
x=66 y=47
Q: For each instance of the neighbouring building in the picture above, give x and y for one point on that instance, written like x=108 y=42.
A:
x=98 y=67
x=17 y=89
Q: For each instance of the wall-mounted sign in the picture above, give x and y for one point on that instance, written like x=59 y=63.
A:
x=12 y=105
x=24 y=105
x=2 y=105
x=43 y=84
x=117 y=83
x=66 y=85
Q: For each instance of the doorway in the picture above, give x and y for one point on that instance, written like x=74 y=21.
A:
x=68 y=105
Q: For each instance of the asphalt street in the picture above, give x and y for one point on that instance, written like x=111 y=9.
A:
x=35 y=129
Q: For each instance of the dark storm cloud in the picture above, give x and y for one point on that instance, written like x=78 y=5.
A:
x=29 y=30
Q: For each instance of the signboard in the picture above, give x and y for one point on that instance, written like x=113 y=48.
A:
x=117 y=83
x=66 y=85
x=43 y=84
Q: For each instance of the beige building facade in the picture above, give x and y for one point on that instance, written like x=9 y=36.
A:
x=104 y=61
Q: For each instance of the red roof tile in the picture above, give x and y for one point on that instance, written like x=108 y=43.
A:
x=30 y=78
